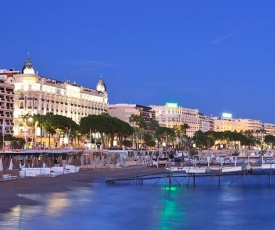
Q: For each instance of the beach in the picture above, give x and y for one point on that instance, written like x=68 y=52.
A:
x=11 y=190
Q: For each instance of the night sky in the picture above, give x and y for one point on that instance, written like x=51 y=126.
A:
x=216 y=55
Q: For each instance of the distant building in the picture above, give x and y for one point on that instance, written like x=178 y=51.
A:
x=269 y=129
x=222 y=124
x=124 y=112
x=6 y=73
x=34 y=94
x=206 y=123
x=6 y=102
x=171 y=115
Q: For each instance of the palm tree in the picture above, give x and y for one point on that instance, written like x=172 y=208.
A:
x=165 y=134
x=139 y=127
x=179 y=133
x=185 y=127
x=270 y=139
x=38 y=122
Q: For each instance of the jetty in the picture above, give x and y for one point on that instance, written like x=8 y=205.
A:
x=188 y=175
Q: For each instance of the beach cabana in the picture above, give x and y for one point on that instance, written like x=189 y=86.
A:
x=1 y=164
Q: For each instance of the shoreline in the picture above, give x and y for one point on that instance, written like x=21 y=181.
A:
x=11 y=189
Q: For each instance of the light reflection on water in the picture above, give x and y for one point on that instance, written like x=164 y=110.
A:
x=148 y=207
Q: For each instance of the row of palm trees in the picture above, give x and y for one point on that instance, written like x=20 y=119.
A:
x=176 y=137
x=233 y=139
x=142 y=134
x=63 y=126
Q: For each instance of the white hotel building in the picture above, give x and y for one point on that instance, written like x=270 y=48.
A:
x=34 y=94
x=222 y=124
x=171 y=115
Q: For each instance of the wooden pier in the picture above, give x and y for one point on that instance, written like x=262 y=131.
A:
x=188 y=175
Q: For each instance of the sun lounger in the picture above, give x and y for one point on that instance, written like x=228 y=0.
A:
x=8 y=177
x=5 y=177
x=53 y=174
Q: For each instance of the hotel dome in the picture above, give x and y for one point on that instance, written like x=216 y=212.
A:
x=101 y=87
x=28 y=67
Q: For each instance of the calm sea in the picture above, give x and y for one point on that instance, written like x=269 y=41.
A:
x=120 y=206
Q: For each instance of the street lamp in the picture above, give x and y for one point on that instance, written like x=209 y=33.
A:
x=30 y=120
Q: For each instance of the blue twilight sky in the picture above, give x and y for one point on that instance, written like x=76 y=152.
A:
x=213 y=55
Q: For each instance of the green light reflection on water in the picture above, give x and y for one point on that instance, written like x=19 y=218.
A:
x=170 y=211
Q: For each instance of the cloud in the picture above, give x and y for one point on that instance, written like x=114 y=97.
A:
x=91 y=63
x=220 y=39
x=161 y=83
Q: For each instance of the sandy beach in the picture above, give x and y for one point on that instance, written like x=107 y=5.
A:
x=11 y=190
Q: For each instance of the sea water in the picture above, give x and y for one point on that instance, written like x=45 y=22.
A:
x=153 y=205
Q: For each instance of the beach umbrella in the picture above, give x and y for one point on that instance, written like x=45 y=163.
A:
x=32 y=162
x=89 y=160
x=25 y=162
x=15 y=163
x=49 y=162
x=84 y=160
x=77 y=161
x=40 y=163
x=60 y=160
x=11 y=165
x=5 y=163
x=35 y=162
x=1 y=164
x=74 y=162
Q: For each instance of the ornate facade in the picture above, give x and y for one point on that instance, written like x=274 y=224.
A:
x=34 y=94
